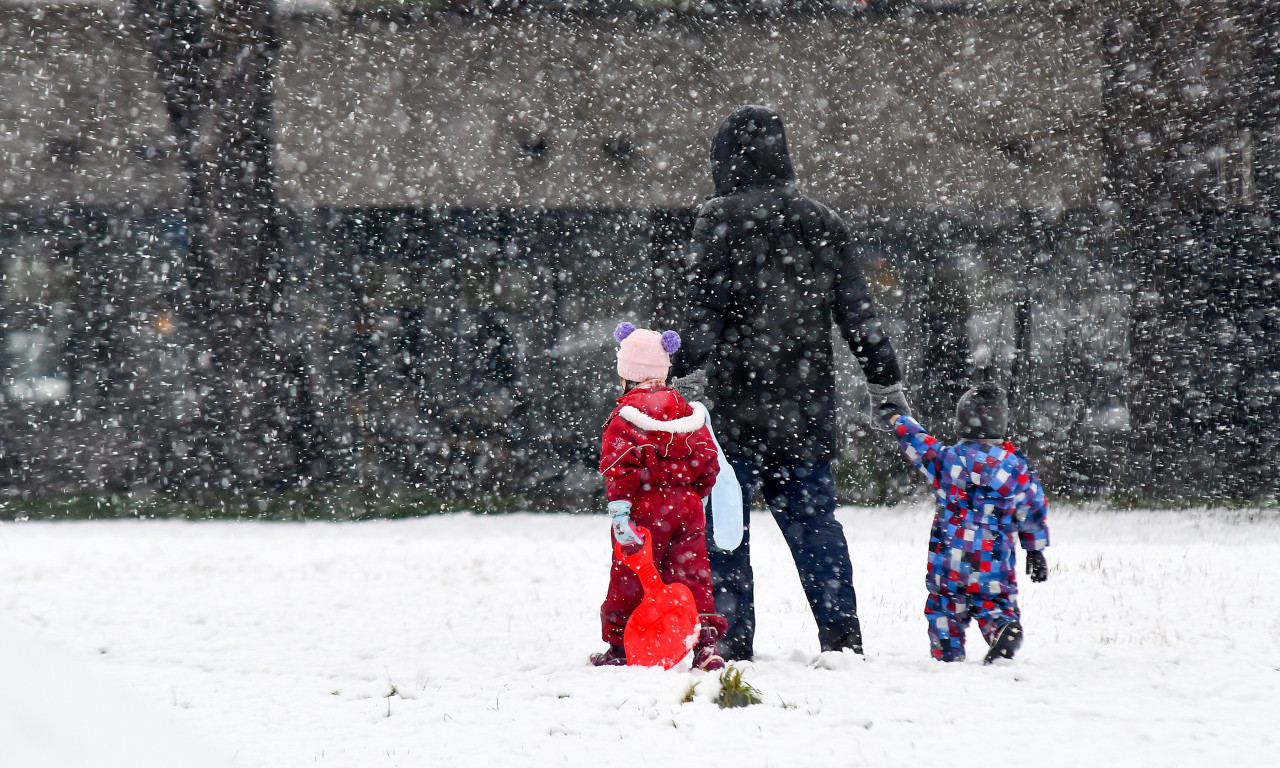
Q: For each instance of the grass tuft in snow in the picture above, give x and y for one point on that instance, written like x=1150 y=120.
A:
x=734 y=691
x=688 y=695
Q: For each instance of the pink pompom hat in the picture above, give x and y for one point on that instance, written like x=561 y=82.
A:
x=642 y=354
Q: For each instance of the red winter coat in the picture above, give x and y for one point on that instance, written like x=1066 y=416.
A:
x=658 y=454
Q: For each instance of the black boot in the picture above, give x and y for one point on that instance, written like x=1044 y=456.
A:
x=1008 y=640
x=851 y=641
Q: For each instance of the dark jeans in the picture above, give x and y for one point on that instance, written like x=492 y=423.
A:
x=803 y=501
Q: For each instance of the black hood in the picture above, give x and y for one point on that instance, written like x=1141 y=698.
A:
x=750 y=150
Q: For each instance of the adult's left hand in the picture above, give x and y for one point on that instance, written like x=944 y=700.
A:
x=886 y=404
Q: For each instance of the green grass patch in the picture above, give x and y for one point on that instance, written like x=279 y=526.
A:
x=734 y=691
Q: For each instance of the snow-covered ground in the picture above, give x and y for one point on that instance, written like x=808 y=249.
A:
x=462 y=640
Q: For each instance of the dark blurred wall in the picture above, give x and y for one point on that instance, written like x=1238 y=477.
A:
x=1190 y=126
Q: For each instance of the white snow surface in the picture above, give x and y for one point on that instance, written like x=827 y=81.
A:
x=462 y=640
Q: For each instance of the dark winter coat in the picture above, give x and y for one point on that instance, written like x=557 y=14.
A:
x=772 y=270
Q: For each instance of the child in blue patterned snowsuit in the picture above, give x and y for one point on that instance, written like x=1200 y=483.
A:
x=986 y=493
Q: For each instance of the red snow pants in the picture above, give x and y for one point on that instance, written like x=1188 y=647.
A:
x=678 y=526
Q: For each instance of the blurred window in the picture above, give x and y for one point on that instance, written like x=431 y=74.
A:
x=36 y=291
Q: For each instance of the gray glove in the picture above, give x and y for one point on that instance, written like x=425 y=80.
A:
x=887 y=403
x=692 y=387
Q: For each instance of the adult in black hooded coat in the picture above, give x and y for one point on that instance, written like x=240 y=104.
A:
x=773 y=270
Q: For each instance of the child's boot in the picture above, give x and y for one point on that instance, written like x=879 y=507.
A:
x=705 y=654
x=615 y=656
x=1008 y=640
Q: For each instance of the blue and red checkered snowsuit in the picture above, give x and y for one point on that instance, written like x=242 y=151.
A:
x=986 y=493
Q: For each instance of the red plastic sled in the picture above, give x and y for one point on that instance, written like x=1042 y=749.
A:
x=664 y=627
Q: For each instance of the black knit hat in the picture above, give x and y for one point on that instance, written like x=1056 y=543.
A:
x=983 y=413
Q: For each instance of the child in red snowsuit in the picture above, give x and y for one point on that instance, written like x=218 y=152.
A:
x=659 y=462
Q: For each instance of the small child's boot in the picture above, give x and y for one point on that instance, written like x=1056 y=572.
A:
x=705 y=654
x=1008 y=640
x=615 y=656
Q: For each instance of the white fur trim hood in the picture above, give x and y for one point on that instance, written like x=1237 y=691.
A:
x=691 y=423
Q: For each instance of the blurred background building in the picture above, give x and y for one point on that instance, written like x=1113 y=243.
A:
x=257 y=244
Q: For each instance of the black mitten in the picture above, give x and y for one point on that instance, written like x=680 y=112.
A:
x=1037 y=568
